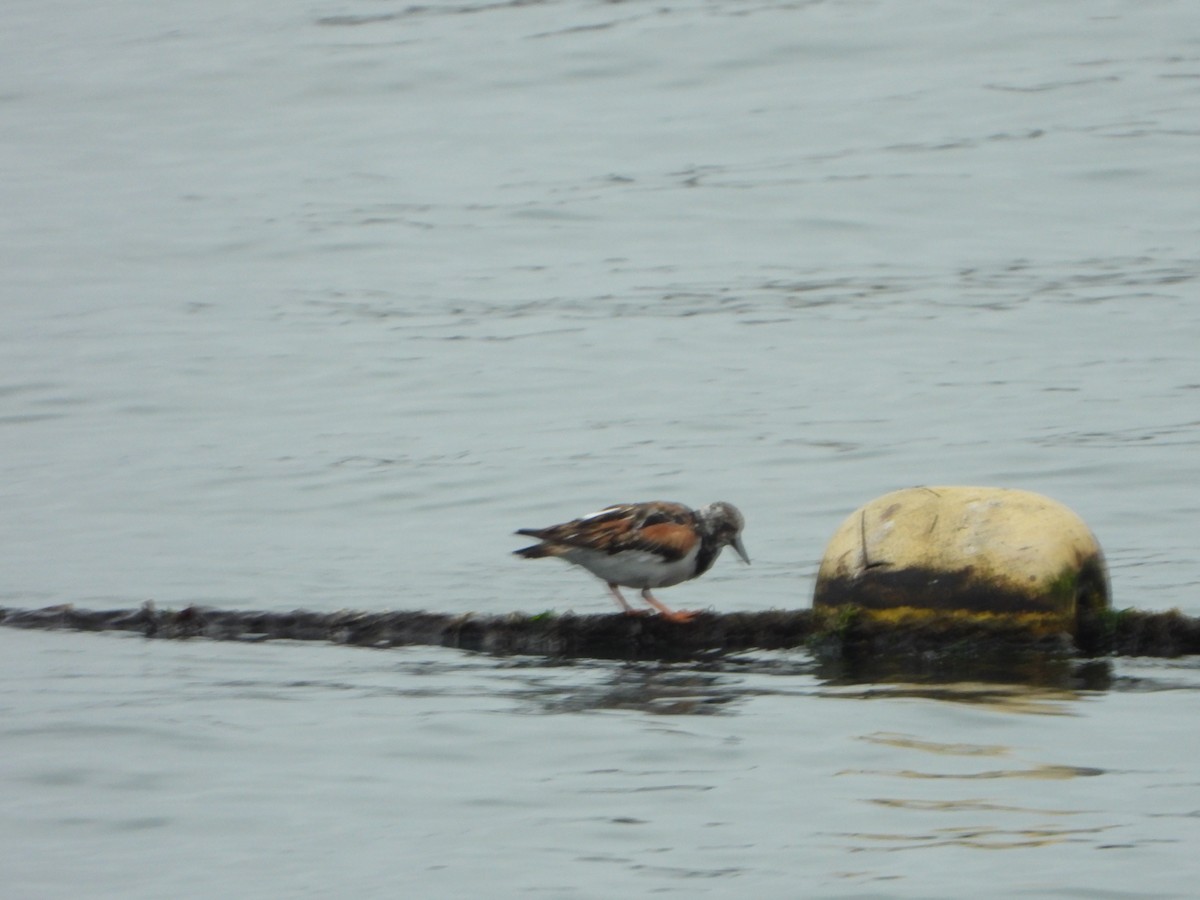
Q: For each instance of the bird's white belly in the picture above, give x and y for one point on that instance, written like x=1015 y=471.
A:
x=634 y=568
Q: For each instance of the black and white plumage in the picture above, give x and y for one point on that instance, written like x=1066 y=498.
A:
x=643 y=545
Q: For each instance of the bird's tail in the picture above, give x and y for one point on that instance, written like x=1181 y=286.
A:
x=537 y=551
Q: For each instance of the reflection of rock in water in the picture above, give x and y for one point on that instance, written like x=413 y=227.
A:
x=848 y=644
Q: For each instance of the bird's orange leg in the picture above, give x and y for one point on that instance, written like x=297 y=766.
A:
x=629 y=610
x=673 y=615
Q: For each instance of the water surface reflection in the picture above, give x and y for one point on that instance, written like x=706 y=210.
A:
x=722 y=685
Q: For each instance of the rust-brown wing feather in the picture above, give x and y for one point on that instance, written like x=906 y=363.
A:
x=658 y=527
x=669 y=540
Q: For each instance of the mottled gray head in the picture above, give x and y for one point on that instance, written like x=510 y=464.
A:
x=725 y=523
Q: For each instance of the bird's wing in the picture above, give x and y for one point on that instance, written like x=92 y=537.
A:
x=667 y=529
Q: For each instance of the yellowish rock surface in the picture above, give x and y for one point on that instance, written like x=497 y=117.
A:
x=964 y=548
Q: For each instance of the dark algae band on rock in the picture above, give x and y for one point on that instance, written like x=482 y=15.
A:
x=845 y=633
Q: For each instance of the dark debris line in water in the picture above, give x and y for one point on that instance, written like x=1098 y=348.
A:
x=842 y=634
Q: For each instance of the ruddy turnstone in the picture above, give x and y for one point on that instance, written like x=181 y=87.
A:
x=643 y=545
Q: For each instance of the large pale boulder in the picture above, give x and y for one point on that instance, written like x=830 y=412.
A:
x=977 y=549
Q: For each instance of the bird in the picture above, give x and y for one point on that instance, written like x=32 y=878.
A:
x=643 y=545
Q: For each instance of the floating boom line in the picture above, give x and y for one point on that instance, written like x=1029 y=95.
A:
x=845 y=633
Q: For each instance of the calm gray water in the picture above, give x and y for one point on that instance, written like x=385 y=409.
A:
x=311 y=306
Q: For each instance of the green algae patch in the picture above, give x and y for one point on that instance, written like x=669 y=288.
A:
x=1028 y=625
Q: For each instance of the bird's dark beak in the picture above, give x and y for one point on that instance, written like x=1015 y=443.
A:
x=741 y=550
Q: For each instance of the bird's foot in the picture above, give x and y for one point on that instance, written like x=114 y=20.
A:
x=678 y=615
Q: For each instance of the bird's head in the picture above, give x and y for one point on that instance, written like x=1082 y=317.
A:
x=725 y=523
